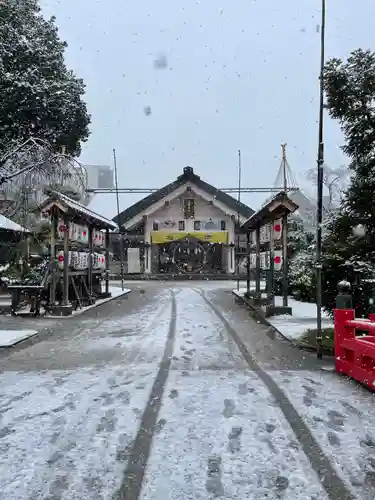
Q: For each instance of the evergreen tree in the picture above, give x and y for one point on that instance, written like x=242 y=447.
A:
x=40 y=97
x=350 y=93
x=298 y=238
x=301 y=257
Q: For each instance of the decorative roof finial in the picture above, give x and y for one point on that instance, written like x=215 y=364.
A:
x=188 y=171
x=283 y=147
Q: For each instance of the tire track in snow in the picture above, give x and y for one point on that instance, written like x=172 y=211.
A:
x=75 y=423
x=131 y=485
x=330 y=480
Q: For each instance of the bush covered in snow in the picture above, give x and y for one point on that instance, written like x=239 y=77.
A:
x=302 y=275
x=299 y=239
x=359 y=274
x=31 y=273
x=300 y=262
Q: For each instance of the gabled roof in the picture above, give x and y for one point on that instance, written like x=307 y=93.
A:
x=187 y=176
x=77 y=208
x=277 y=206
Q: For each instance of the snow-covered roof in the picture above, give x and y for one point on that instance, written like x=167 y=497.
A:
x=9 y=225
x=80 y=209
x=275 y=207
x=188 y=177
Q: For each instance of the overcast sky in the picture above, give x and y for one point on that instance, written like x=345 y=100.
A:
x=241 y=74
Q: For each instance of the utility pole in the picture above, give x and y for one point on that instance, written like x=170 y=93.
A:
x=238 y=217
x=285 y=231
x=319 y=212
x=121 y=236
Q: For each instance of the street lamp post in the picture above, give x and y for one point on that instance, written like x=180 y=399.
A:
x=319 y=214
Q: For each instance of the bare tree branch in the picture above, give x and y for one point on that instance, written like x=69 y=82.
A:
x=335 y=181
x=30 y=167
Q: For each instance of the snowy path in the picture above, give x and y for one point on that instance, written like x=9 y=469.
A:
x=182 y=399
x=64 y=433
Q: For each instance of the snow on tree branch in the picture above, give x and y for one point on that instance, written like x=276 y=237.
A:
x=40 y=96
x=335 y=181
x=31 y=167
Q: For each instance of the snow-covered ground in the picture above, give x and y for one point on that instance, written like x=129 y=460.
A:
x=62 y=430
x=161 y=403
x=217 y=415
x=207 y=284
x=11 y=337
x=341 y=417
x=230 y=425
x=303 y=318
x=114 y=290
x=64 y=433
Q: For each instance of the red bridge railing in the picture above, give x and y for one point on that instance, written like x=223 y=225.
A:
x=354 y=354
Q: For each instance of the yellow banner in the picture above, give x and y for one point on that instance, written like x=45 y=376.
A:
x=204 y=236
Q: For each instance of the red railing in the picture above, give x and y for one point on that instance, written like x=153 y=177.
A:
x=355 y=355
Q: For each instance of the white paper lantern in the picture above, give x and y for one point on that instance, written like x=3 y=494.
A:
x=277 y=260
x=98 y=238
x=95 y=237
x=102 y=261
x=253 y=260
x=74 y=231
x=84 y=234
x=103 y=239
x=262 y=258
x=60 y=229
x=83 y=260
x=61 y=259
x=277 y=229
x=74 y=256
x=262 y=235
x=95 y=263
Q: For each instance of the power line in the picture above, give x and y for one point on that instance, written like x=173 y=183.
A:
x=226 y=190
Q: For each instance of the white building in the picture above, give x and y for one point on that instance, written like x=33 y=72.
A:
x=186 y=226
x=99 y=177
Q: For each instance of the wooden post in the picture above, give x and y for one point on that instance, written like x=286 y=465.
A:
x=285 y=259
x=66 y=263
x=107 y=261
x=53 y=270
x=248 y=263
x=91 y=250
x=27 y=253
x=257 y=262
x=272 y=267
